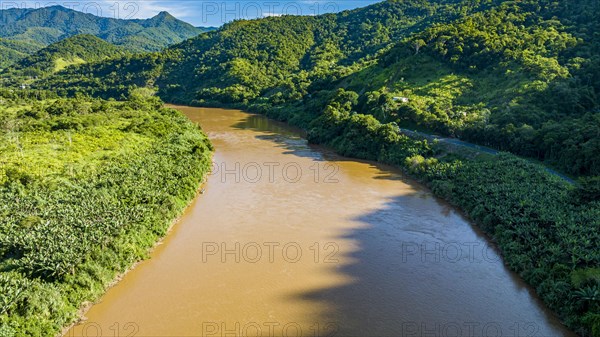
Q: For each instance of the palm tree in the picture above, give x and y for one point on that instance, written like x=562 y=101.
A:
x=588 y=297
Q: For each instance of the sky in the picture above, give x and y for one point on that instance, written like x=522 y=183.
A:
x=196 y=12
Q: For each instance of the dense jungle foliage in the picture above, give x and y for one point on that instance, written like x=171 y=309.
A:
x=87 y=187
x=519 y=76
x=12 y=51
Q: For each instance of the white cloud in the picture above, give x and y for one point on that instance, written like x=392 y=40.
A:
x=267 y=14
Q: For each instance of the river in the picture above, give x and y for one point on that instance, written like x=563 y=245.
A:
x=290 y=239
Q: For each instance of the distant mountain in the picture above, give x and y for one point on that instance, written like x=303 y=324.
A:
x=78 y=49
x=34 y=29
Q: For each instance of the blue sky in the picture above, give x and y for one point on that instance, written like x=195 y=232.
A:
x=198 y=13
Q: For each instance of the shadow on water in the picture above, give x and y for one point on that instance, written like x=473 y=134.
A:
x=422 y=271
x=419 y=268
x=293 y=140
x=261 y=123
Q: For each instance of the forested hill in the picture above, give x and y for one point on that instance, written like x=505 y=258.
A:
x=74 y=50
x=518 y=76
x=249 y=59
x=36 y=28
x=245 y=60
x=11 y=51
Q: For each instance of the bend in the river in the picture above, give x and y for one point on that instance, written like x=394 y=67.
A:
x=289 y=239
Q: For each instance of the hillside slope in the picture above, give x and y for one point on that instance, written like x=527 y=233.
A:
x=519 y=77
x=280 y=56
x=44 y=26
x=12 y=51
x=525 y=71
x=248 y=59
x=74 y=50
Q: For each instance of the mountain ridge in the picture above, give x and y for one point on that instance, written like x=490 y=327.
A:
x=40 y=27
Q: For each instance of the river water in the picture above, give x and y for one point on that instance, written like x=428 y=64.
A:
x=292 y=240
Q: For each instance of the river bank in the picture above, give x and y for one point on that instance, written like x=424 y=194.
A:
x=80 y=203
x=545 y=230
x=356 y=224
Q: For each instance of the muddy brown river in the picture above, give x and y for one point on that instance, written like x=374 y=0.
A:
x=292 y=240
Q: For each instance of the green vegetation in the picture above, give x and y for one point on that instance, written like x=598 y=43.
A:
x=87 y=187
x=109 y=79
x=286 y=58
x=518 y=76
x=12 y=51
x=547 y=229
x=24 y=31
x=276 y=58
x=56 y=57
x=543 y=102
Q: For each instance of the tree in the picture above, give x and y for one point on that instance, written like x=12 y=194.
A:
x=418 y=44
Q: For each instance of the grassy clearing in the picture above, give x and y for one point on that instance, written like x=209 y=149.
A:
x=62 y=63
